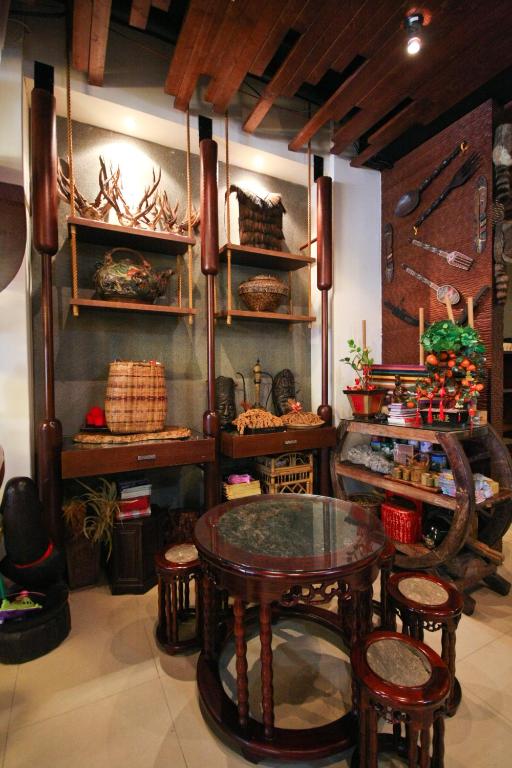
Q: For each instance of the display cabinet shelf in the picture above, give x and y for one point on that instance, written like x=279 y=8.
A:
x=247 y=255
x=161 y=309
x=462 y=447
x=104 y=233
x=246 y=446
x=277 y=317
x=87 y=460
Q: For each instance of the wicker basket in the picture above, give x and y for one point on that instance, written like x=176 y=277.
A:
x=136 y=399
x=263 y=293
x=287 y=473
x=369 y=501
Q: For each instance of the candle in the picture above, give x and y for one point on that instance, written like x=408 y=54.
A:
x=422 y=329
x=471 y=319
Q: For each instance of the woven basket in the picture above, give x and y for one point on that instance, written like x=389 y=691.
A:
x=263 y=293
x=136 y=399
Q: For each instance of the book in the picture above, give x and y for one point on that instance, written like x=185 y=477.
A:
x=136 y=504
x=132 y=482
x=136 y=491
x=133 y=514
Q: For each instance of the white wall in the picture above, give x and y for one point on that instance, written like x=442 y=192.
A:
x=15 y=373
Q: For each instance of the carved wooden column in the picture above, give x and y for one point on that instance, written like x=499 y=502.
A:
x=45 y=237
x=242 y=683
x=267 y=684
x=324 y=284
x=210 y=268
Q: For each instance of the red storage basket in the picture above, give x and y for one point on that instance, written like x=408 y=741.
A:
x=402 y=519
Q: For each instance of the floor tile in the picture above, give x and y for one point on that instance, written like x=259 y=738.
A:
x=132 y=729
x=8 y=675
x=106 y=652
x=487 y=674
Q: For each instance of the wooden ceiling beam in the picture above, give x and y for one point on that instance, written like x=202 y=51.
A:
x=81 y=40
x=285 y=20
x=162 y=5
x=99 y=37
x=294 y=67
x=139 y=13
x=409 y=116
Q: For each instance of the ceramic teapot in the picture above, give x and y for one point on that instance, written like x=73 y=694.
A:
x=127 y=280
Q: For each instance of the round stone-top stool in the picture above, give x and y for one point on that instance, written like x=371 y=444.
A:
x=406 y=683
x=426 y=602
x=178 y=569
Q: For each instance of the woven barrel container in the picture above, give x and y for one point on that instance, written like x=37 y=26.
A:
x=136 y=399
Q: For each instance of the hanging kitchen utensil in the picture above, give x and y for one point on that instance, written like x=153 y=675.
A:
x=465 y=172
x=480 y=214
x=454 y=258
x=402 y=314
x=387 y=244
x=463 y=317
x=443 y=292
x=410 y=200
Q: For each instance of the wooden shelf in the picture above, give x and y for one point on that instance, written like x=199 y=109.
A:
x=357 y=472
x=410 y=433
x=279 y=317
x=247 y=255
x=505 y=494
x=131 y=306
x=245 y=446
x=100 y=232
x=87 y=460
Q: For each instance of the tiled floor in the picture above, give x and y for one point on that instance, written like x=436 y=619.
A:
x=107 y=698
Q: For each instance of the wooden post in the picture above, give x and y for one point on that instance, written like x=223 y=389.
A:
x=45 y=237
x=210 y=267
x=471 y=317
x=364 y=334
x=422 y=331
x=449 y=309
x=324 y=284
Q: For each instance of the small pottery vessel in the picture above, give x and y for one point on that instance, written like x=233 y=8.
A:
x=127 y=280
x=263 y=293
x=365 y=403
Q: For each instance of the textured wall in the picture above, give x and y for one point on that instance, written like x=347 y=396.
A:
x=450 y=227
x=84 y=346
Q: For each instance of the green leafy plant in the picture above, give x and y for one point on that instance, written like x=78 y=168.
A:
x=92 y=514
x=445 y=335
x=359 y=360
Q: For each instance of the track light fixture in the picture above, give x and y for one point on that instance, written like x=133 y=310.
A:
x=413 y=24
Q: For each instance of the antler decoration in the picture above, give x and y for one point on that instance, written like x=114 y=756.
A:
x=153 y=211
x=102 y=203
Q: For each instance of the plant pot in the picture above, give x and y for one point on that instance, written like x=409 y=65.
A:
x=83 y=562
x=365 y=403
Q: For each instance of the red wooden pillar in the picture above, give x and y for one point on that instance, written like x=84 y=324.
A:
x=210 y=268
x=45 y=237
x=324 y=284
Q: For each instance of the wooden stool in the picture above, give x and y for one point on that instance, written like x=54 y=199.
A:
x=405 y=682
x=176 y=567
x=426 y=602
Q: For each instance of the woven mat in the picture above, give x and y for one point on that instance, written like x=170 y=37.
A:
x=169 y=433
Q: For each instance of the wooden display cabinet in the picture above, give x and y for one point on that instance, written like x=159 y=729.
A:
x=131 y=567
x=477 y=527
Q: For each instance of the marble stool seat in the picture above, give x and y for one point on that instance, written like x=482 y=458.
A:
x=406 y=683
x=426 y=602
x=178 y=569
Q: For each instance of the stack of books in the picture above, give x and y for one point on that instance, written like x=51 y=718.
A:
x=239 y=490
x=135 y=499
x=400 y=415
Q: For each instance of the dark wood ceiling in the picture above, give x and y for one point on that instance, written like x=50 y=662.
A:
x=347 y=58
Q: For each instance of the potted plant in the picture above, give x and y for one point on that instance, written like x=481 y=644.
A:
x=455 y=362
x=365 y=399
x=89 y=520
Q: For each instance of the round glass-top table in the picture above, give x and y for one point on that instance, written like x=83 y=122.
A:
x=288 y=554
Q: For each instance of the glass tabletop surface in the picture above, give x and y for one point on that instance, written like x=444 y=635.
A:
x=290 y=532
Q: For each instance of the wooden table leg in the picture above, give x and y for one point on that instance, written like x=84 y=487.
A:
x=174 y=610
x=267 y=689
x=425 y=747
x=438 y=741
x=361 y=614
x=448 y=656
x=242 y=683
x=208 y=617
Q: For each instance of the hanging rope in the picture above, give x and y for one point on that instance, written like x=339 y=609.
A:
x=228 y=215
x=309 y=228
x=189 y=217
x=72 y=209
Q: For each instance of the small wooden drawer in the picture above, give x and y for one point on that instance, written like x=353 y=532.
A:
x=244 y=446
x=88 y=460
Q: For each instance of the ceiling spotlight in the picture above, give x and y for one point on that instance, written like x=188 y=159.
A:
x=413 y=24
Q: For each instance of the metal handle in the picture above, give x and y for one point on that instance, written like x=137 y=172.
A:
x=427 y=246
x=147 y=457
x=291 y=442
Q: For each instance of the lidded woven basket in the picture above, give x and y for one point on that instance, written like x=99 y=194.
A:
x=136 y=398
x=263 y=293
